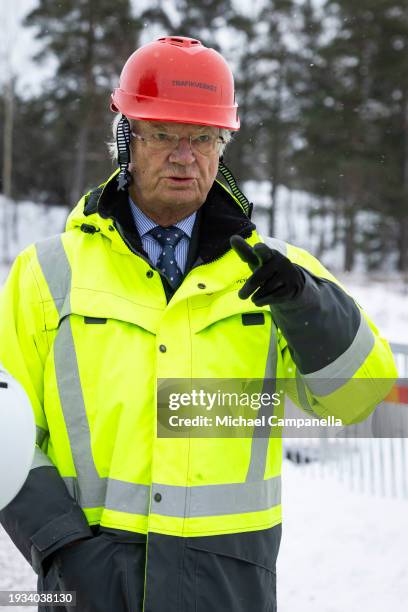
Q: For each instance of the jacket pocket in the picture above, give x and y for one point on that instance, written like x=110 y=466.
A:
x=234 y=572
x=95 y=570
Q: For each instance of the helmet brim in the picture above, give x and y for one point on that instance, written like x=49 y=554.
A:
x=147 y=108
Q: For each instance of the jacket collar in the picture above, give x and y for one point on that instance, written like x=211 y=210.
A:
x=220 y=217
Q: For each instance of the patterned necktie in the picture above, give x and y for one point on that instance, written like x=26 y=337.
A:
x=168 y=237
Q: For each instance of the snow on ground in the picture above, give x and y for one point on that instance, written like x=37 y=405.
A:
x=15 y=573
x=340 y=550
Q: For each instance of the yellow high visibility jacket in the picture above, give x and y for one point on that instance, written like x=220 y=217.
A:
x=86 y=328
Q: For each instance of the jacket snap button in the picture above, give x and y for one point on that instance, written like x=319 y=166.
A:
x=111 y=228
x=149 y=273
x=157 y=497
x=201 y=286
x=162 y=348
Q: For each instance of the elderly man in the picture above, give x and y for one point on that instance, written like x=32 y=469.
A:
x=144 y=286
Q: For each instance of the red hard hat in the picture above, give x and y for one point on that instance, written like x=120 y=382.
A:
x=177 y=79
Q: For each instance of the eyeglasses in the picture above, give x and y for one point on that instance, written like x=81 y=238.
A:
x=165 y=142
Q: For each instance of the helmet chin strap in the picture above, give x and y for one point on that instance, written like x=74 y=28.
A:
x=246 y=205
x=122 y=142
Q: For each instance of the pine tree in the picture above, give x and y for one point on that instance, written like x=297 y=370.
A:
x=89 y=40
x=272 y=109
x=337 y=159
x=390 y=92
x=353 y=124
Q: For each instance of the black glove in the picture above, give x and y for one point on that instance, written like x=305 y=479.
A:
x=275 y=277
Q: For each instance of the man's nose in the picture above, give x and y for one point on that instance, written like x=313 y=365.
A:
x=183 y=153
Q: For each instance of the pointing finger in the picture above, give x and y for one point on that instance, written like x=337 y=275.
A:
x=263 y=252
x=244 y=251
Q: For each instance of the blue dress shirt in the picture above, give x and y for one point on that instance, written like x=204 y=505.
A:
x=144 y=224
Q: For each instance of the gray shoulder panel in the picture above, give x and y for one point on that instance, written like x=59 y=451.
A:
x=275 y=243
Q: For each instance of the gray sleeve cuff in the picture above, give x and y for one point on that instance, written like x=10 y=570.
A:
x=319 y=325
x=43 y=516
x=55 y=534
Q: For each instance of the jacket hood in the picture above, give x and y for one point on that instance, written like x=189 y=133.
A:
x=86 y=211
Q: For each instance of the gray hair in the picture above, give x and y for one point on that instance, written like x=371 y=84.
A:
x=225 y=134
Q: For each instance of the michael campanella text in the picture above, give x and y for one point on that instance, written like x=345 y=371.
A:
x=240 y=421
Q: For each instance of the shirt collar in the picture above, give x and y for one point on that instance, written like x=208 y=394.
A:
x=144 y=224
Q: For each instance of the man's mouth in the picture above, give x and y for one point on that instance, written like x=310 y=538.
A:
x=180 y=179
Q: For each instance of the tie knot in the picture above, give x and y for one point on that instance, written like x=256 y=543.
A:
x=167 y=236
